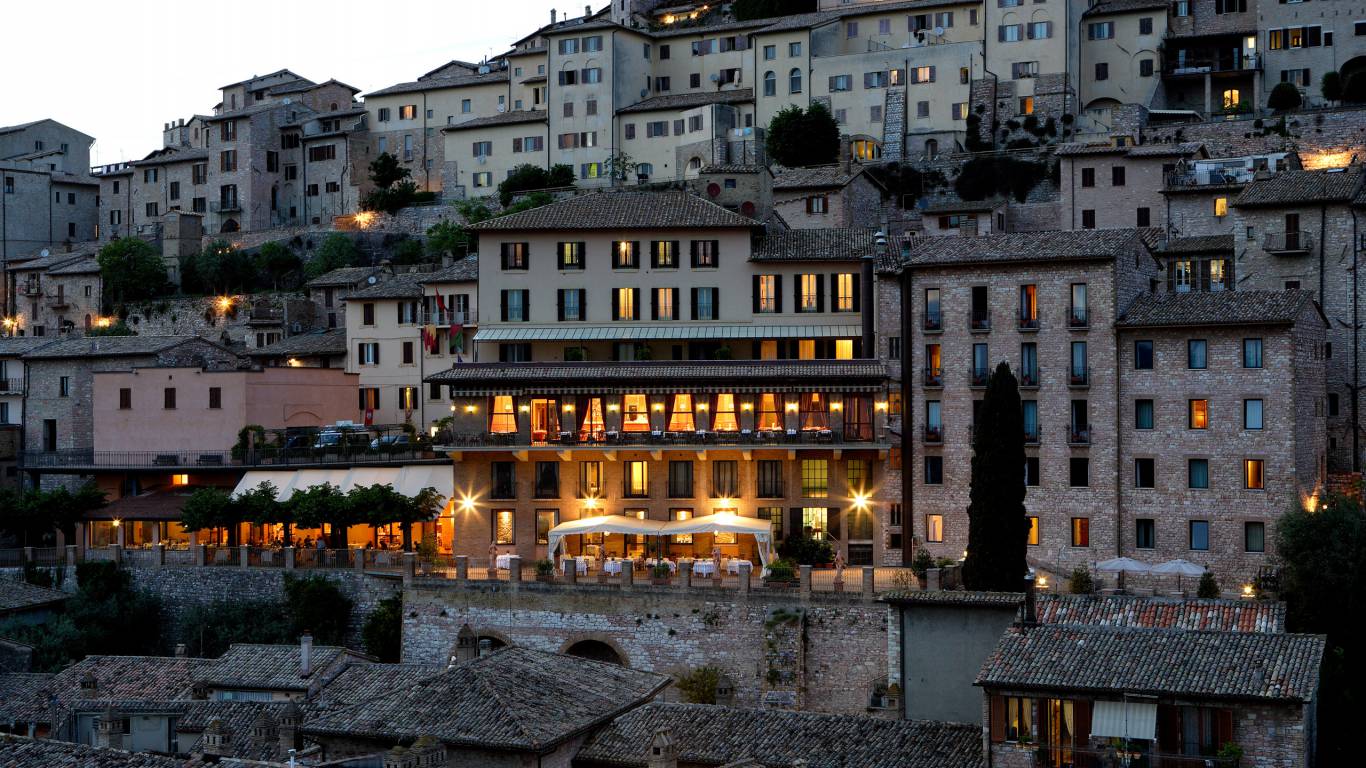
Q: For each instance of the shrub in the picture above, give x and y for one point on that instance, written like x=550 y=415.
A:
x=922 y=563
x=1080 y=582
x=119 y=328
x=800 y=137
x=1331 y=85
x=337 y=251
x=207 y=630
x=317 y=606
x=1284 y=97
x=446 y=237
x=1209 y=586
x=983 y=177
x=131 y=270
x=698 y=686
x=407 y=251
x=383 y=630
x=547 y=567
x=782 y=570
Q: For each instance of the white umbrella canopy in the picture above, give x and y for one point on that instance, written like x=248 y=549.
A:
x=1123 y=565
x=1178 y=567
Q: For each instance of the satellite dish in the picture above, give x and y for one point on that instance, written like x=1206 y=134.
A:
x=372 y=280
x=502 y=108
x=43 y=253
x=938 y=31
x=713 y=189
x=747 y=208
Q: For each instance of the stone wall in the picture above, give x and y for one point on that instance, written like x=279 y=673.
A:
x=1313 y=133
x=836 y=647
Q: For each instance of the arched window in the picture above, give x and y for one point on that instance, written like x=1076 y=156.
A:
x=334 y=106
x=794 y=81
x=770 y=83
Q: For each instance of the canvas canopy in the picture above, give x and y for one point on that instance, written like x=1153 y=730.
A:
x=723 y=522
x=1124 y=720
x=407 y=480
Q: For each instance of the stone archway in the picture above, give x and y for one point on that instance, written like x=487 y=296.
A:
x=596 y=648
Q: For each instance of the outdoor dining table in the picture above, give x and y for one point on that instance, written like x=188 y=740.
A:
x=584 y=562
x=503 y=562
x=704 y=567
x=651 y=562
x=614 y=565
x=733 y=566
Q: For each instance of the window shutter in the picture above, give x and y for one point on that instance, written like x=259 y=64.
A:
x=360 y=398
x=583 y=304
x=526 y=305
x=376 y=353
x=678 y=311
x=931 y=73
x=616 y=304
x=1081 y=716
x=1168 y=724
x=1223 y=726
x=716 y=304
x=808 y=205
x=360 y=354
x=559 y=305
x=1048 y=29
x=796 y=293
x=692 y=249
x=794 y=521
x=1171 y=277
x=716 y=253
x=832 y=522
x=998 y=718
x=820 y=293
x=693 y=302
x=754 y=281
x=399 y=308
x=1204 y=275
x=778 y=293
x=503 y=309
x=635 y=304
x=858 y=293
x=1001 y=33
x=583 y=254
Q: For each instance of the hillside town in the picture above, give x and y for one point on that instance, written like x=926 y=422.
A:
x=739 y=384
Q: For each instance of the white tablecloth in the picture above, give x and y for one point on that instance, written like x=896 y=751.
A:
x=582 y=562
x=733 y=566
x=503 y=561
x=704 y=567
x=614 y=565
x=651 y=562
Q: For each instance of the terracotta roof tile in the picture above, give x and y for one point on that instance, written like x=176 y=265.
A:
x=21 y=751
x=347 y=276
x=816 y=245
x=815 y=177
x=513 y=117
x=1160 y=612
x=1199 y=244
x=271 y=667
x=690 y=100
x=21 y=596
x=621 y=210
x=329 y=342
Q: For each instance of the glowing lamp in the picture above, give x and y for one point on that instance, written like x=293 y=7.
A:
x=524 y=408
x=747 y=406
x=1247 y=590
x=466 y=503
x=701 y=406
x=470 y=408
x=613 y=407
x=881 y=405
x=658 y=407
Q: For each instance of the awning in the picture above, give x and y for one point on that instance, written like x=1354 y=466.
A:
x=661 y=332
x=411 y=480
x=364 y=477
x=722 y=522
x=407 y=480
x=253 y=478
x=307 y=478
x=1124 y=720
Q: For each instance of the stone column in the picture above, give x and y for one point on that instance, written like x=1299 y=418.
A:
x=118 y=533
x=117 y=552
x=804 y=581
x=72 y=554
x=628 y=575
x=462 y=567
x=244 y=555
x=289 y=558
x=934 y=580
x=745 y=569
x=515 y=571
x=201 y=554
x=571 y=572
x=409 y=566
x=358 y=559
x=159 y=555
x=685 y=574
x=869 y=582
x=28 y=555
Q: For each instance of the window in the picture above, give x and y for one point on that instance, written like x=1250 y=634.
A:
x=1078 y=472
x=1040 y=30
x=725 y=479
x=625 y=305
x=1088 y=219
x=934 y=528
x=665 y=304
x=504 y=526
x=1197 y=473
x=1254 y=536
x=125 y=399
x=680 y=479
x=1252 y=414
x=770 y=479
x=1101 y=30
x=1198 y=417
x=815 y=478
x=770 y=83
x=324 y=152
x=1252 y=353
x=635 y=479
x=168 y=398
x=571 y=255
x=1145 y=533
x=1199 y=535
x=809 y=298
x=922 y=74
x=482 y=149
x=215 y=397
x=1143 y=414
x=625 y=255
x=1031 y=471
x=1102 y=71
x=1019 y=719
x=516 y=305
x=1081 y=531
x=705 y=305
x=841 y=83
x=1254 y=474
x=1010 y=33
x=770 y=52
x=1145 y=67
x=794 y=81
x=1144 y=473
x=573 y=304
x=705 y=253
x=1143 y=355
x=934 y=470
x=590 y=479
x=515 y=255
x=547 y=479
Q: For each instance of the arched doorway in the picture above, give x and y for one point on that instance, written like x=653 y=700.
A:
x=470 y=644
x=596 y=650
x=1354 y=66
x=229 y=225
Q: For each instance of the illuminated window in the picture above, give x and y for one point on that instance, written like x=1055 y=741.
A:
x=1081 y=531
x=766 y=289
x=1221 y=206
x=810 y=293
x=934 y=528
x=814 y=415
x=635 y=479
x=502 y=418
x=845 y=290
x=856 y=475
x=815 y=478
x=814 y=521
x=625 y=255
x=1254 y=474
x=681 y=415
x=1232 y=98
x=1199 y=414
x=844 y=349
x=545 y=520
x=590 y=479
x=180 y=479
x=1033 y=530
x=636 y=417
x=664 y=308
x=504 y=529
x=626 y=304
x=768 y=349
x=770 y=418
x=681 y=514
x=593 y=425
x=724 y=418
x=806 y=349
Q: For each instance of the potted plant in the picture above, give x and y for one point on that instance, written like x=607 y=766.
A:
x=660 y=575
x=921 y=565
x=782 y=574
x=1231 y=753
x=545 y=570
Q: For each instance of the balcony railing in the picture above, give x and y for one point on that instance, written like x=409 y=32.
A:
x=934 y=377
x=225 y=206
x=207 y=460
x=933 y=434
x=1079 y=434
x=1078 y=317
x=449 y=317
x=1079 y=376
x=1028 y=378
x=1027 y=323
x=979 y=319
x=11 y=386
x=835 y=435
x=59 y=301
x=1231 y=62
x=978 y=376
x=1288 y=243
x=1031 y=434
x=33 y=289
x=932 y=321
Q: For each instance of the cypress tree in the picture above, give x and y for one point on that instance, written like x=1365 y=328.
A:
x=998 y=530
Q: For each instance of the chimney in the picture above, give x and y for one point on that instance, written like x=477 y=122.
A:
x=1031 y=615
x=587 y=11
x=846 y=154
x=305 y=655
x=217 y=739
x=552 y=15
x=110 y=731
x=181 y=651
x=89 y=685
x=287 y=727
x=663 y=752
x=867 y=311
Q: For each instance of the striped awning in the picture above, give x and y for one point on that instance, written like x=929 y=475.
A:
x=1124 y=720
x=668 y=332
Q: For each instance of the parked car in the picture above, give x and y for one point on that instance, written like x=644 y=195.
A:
x=334 y=439
x=389 y=442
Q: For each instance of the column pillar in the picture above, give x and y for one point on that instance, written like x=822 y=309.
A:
x=804 y=581
x=628 y=575
x=869 y=582
x=462 y=567
x=745 y=569
x=289 y=558
x=515 y=571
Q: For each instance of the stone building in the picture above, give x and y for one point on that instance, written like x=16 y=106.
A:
x=47 y=196
x=1118 y=185
x=825 y=197
x=57 y=294
x=326 y=290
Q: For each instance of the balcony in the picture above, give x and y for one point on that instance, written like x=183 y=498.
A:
x=978 y=375
x=1079 y=376
x=449 y=317
x=1293 y=243
x=58 y=302
x=33 y=289
x=11 y=386
x=1028 y=378
x=854 y=435
x=934 y=377
x=225 y=206
x=932 y=321
x=979 y=320
x=1079 y=434
x=933 y=434
x=1031 y=434
x=1078 y=317
x=1174 y=65
x=1028 y=324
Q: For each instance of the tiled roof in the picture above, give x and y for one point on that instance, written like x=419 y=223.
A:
x=173 y=155
x=513 y=699
x=53 y=259
x=816 y=245
x=631 y=372
x=1179 y=149
x=1302 y=187
x=622 y=210
x=361 y=681
x=1215 y=308
x=461 y=271
x=1159 y=612
x=22 y=596
x=405 y=285
x=21 y=752
x=270 y=667
x=707 y=735
x=346 y=276
x=1071 y=149
x=1177 y=662
x=690 y=100
x=237 y=719
x=16 y=694
x=329 y=342
x=1107 y=7
x=123 y=679
x=161 y=504
x=963 y=206
x=110 y=346
x=512 y=117
x=1059 y=245
x=12 y=346
x=956 y=597
x=815 y=177
x=1199 y=244
x=86 y=266
x=438 y=83
x=735 y=169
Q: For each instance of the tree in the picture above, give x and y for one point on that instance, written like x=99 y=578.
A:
x=1331 y=85
x=324 y=505
x=119 y=328
x=131 y=270
x=1354 y=88
x=278 y=265
x=218 y=269
x=336 y=252
x=1208 y=587
x=408 y=251
x=318 y=607
x=383 y=630
x=381 y=505
x=998 y=531
x=393 y=189
x=34 y=514
x=529 y=178
x=209 y=509
x=448 y=237
x=259 y=505
x=1284 y=97
x=620 y=167
x=798 y=137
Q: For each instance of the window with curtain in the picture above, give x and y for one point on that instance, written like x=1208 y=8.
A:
x=770 y=479
x=770 y=417
x=547 y=479
x=814 y=415
x=545 y=418
x=725 y=479
x=545 y=520
x=856 y=472
x=814 y=522
x=635 y=479
x=593 y=425
x=502 y=418
x=504 y=527
x=635 y=414
x=681 y=414
x=858 y=418
x=590 y=479
x=680 y=479
x=723 y=416
x=503 y=480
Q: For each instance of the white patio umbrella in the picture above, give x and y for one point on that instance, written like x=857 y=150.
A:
x=1121 y=566
x=1180 y=568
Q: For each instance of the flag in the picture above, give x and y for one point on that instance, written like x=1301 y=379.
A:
x=429 y=339
x=457 y=339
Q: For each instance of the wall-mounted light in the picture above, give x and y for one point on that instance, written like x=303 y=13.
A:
x=837 y=406
x=471 y=408
x=881 y=405
x=657 y=407
x=117 y=522
x=747 y=406
x=702 y=406
x=524 y=408
x=1248 y=590
x=860 y=501
x=791 y=407
x=613 y=407
x=224 y=303
x=452 y=407
x=568 y=407
x=590 y=503
x=466 y=503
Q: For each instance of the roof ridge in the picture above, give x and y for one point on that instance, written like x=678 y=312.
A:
x=493 y=694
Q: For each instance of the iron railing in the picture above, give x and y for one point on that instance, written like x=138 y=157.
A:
x=1295 y=241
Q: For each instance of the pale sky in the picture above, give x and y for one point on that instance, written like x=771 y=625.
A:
x=118 y=69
